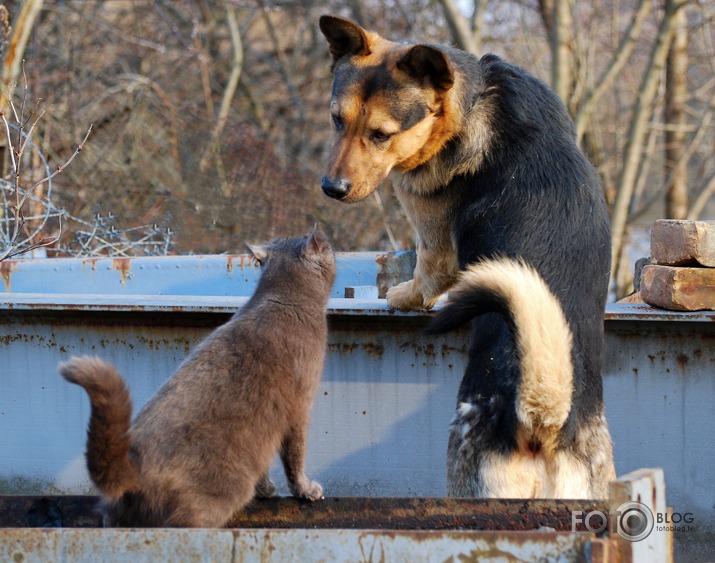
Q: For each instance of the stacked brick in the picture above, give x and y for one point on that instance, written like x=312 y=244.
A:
x=681 y=272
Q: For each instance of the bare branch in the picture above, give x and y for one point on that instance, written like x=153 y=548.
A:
x=606 y=79
x=13 y=245
x=702 y=200
x=231 y=87
x=61 y=167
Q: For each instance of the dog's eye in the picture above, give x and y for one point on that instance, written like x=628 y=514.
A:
x=379 y=136
x=338 y=122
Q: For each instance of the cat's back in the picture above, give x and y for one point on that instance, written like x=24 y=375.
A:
x=257 y=370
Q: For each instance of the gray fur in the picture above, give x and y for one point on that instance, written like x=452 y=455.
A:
x=203 y=445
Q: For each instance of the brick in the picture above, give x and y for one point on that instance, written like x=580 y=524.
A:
x=679 y=289
x=634 y=299
x=683 y=243
x=638 y=270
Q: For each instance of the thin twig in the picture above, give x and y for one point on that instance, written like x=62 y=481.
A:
x=66 y=164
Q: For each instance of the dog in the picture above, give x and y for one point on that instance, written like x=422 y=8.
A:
x=509 y=213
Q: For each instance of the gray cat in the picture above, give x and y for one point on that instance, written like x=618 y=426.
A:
x=201 y=448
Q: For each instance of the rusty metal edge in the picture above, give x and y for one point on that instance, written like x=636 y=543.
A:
x=296 y=545
x=394 y=513
x=230 y=304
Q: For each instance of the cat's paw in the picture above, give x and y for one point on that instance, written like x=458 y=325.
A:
x=309 y=490
x=265 y=489
x=406 y=297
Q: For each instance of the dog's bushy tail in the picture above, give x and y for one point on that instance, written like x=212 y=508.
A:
x=541 y=333
x=108 y=440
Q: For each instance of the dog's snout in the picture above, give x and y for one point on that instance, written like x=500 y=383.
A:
x=336 y=189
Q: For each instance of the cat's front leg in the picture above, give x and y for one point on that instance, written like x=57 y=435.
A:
x=293 y=458
x=265 y=487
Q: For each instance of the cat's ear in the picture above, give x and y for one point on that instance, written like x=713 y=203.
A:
x=259 y=252
x=317 y=242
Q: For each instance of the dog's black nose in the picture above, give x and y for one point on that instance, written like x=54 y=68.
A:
x=337 y=189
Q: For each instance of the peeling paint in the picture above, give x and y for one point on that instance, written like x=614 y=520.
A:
x=92 y=262
x=7 y=267
x=123 y=265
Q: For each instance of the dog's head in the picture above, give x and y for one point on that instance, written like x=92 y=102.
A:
x=390 y=108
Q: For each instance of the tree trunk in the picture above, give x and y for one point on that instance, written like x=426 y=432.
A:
x=637 y=133
x=557 y=16
x=213 y=148
x=12 y=65
x=606 y=79
x=561 y=50
x=676 y=92
x=460 y=27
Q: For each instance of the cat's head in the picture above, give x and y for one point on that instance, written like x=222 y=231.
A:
x=308 y=257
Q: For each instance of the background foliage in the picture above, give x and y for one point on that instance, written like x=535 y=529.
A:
x=210 y=117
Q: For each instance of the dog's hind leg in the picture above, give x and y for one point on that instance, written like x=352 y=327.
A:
x=593 y=444
x=462 y=458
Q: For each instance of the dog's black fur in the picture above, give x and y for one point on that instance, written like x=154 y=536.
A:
x=538 y=198
x=499 y=176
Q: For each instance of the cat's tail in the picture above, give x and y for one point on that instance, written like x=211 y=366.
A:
x=108 y=440
x=541 y=333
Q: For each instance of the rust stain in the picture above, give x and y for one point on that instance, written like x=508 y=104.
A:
x=7 y=267
x=375 y=350
x=682 y=360
x=447 y=349
x=123 y=265
x=382 y=259
x=244 y=260
x=91 y=261
x=342 y=347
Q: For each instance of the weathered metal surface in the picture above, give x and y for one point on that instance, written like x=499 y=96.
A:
x=413 y=514
x=207 y=275
x=637 y=506
x=358 y=529
x=380 y=419
x=643 y=312
x=369 y=513
x=49 y=511
x=230 y=303
x=265 y=546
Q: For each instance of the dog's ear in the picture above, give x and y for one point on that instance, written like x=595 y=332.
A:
x=425 y=63
x=344 y=37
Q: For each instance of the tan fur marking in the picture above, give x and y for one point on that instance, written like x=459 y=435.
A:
x=524 y=476
x=446 y=123
x=437 y=265
x=476 y=134
x=355 y=158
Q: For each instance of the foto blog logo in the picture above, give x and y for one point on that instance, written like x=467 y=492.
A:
x=633 y=521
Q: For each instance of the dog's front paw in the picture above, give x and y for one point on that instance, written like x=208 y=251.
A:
x=308 y=490
x=406 y=296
